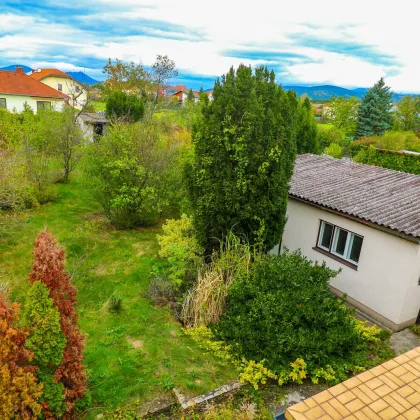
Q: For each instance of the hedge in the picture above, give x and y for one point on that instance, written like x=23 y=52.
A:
x=399 y=161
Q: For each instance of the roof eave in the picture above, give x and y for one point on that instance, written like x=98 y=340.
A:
x=385 y=229
x=32 y=96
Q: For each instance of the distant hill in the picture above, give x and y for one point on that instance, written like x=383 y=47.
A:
x=326 y=92
x=82 y=77
x=12 y=67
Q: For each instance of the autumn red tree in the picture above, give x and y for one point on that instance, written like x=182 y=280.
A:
x=48 y=267
x=19 y=389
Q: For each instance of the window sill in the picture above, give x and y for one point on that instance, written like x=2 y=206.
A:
x=336 y=258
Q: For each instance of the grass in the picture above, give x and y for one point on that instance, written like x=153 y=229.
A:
x=99 y=106
x=106 y=261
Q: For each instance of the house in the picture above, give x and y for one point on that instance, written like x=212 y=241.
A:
x=17 y=88
x=388 y=391
x=64 y=83
x=92 y=125
x=365 y=221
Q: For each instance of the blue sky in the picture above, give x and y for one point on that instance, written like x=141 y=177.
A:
x=351 y=44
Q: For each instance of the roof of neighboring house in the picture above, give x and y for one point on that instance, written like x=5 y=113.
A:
x=382 y=196
x=388 y=391
x=18 y=83
x=44 y=73
x=93 y=117
x=177 y=88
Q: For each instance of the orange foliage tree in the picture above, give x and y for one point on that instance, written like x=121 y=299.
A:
x=19 y=389
x=48 y=267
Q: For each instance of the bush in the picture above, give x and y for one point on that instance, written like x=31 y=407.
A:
x=178 y=244
x=334 y=150
x=133 y=173
x=120 y=105
x=389 y=159
x=284 y=311
x=328 y=135
x=161 y=290
x=393 y=140
x=115 y=304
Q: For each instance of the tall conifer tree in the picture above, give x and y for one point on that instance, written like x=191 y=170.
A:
x=245 y=147
x=307 y=131
x=375 y=111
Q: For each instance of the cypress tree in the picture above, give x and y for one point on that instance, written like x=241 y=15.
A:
x=307 y=131
x=190 y=96
x=244 y=152
x=375 y=111
x=47 y=342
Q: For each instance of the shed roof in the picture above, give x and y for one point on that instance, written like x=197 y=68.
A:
x=93 y=117
x=382 y=196
x=18 y=83
x=388 y=391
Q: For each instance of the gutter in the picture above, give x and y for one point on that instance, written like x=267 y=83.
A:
x=393 y=232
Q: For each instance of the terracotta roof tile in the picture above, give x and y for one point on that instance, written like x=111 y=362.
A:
x=15 y=83
x=39 y=75
x=382 y=196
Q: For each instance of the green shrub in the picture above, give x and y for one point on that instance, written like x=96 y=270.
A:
x=284 y=311
x=120 y=105
x=328 y=135
x=393 y=140
x=389 y=159
x=115 y=304
x=178 y=244
x=52 y=394
x=334 y=150
x=84 y=403
x=133 y=172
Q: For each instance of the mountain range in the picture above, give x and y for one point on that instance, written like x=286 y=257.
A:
x=80 y=76
x=326 y=92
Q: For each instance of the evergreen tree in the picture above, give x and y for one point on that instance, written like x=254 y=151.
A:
x=190 y=96
x=203 y=98
x=47 y=342
x=375 y=111
x=19 y=389
x=124 y=106
x=244 y=152
x=48 y=267
x=307 y=131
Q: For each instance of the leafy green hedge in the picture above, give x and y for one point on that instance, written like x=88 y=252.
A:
x=389 y=159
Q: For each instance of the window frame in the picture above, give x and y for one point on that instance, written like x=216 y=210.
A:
x=331 y=251
x=59 y=87
x=38 y=107
x=5 y=103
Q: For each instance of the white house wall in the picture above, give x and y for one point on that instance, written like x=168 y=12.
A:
x=15 y=102
x=387 y=277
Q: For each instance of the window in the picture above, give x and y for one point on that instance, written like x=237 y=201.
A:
x=60 y=87
x=340 y=242
x=77 y=88
x=3 y=103
x=42 y=105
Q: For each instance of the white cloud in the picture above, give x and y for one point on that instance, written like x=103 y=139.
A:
x=316 y=30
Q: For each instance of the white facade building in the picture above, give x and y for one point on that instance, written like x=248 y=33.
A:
x=364 y=221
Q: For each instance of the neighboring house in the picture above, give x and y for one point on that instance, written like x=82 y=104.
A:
x=64 y=83
x=388 y=391
x=92 y=124
x=16 y=88
x=365 y=221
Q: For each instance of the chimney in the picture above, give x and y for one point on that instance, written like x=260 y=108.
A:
x=19 y=69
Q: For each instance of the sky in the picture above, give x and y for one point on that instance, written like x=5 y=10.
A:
x=306 y=42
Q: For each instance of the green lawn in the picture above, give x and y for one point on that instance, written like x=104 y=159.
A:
x=109 y=261
x=99 y=106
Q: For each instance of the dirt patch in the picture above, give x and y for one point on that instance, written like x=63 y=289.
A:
x=137 y=344
x=105 y=269
x=143 y=248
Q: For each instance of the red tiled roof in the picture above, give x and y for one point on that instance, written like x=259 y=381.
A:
x=178 y=88
x=39 y=75
x=14 y=83
x=382 y=196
